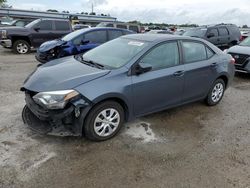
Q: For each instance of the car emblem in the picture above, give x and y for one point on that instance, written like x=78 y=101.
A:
x=236 y=56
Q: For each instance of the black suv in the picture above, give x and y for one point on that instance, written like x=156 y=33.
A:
x=21 y=39
x=220 y=35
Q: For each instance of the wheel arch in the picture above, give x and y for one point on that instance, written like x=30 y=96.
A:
x=16 y=38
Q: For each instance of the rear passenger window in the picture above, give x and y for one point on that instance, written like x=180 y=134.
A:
x=110 y=25
x=122 y=26
x=96 y=36
x=45 y=25
x=163 y=56
x=223 y=31
x=114 y=34
x=194 y=51
x=210 y=53
x=62 y=26
x=133 y=28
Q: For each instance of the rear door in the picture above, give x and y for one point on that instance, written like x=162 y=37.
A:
x=200 y=69
x=224 y=36
x=61 y=28
x=162 y=86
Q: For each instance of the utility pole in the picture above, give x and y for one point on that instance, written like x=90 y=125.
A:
x=92 y=7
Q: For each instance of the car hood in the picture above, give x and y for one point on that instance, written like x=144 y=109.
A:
x=61 y=74
x=240 y=50
x=46 y=46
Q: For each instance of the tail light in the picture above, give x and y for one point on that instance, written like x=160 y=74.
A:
x=241 y=38
x=232 y=61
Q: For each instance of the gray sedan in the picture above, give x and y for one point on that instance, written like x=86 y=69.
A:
x=134 y=75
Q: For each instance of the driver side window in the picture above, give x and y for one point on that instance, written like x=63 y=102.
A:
x=163 y=56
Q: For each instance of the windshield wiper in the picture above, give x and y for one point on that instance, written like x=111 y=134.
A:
x=89 y=62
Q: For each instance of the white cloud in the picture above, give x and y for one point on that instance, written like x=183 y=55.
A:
x=167 y=11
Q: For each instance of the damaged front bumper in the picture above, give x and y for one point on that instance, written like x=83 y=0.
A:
x=66 y=122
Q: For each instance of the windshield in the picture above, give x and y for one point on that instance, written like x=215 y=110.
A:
x=195 y=32
x=32 y=24
x=73 y=35
x=115 y=53
x=245 y=42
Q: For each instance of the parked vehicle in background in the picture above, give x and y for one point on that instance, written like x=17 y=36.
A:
x=80 y=26
x=220 y=35
x=241 y=54
x=18 y=23
x=134 y=75
x=179 y=32
x=21 y=39
x=77 y=42
x=245 y=34
x=160 y=32
x=133 y=27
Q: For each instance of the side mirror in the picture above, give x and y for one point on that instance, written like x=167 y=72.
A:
x=141 y=68
x=84 y=42
x=37 y=29
x=210 y=35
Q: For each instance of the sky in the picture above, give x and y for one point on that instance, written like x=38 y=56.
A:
x=200 y=12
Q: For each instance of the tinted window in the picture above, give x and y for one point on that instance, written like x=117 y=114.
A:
x=110 y=25
x=200 y=32
x=114 y=34
x=165 y=55
x=96 y=36
x=62 y=26
x=78 y=40
x=45 y=25
x=20 y=23
x=223 y=31
x=210 y=53
x=122 y=26
x=214 y=31
x=133 y=28
x=194 y=51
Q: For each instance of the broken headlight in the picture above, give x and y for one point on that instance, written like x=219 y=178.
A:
x=55 y=99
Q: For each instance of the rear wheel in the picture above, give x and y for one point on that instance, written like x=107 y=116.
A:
x=216 y=93
x=21 y=47
x=104 y=121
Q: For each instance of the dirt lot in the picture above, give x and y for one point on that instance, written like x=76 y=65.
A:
x=191 y=146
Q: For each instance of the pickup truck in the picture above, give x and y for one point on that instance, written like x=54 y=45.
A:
x=22 y=39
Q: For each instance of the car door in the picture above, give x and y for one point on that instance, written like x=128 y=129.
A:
x=61 y=28
x=43 y=31
x=200 y=69
x=215 y=36
x=224 y=36
x=162 y=86
x=113 y=34
x=92 y=39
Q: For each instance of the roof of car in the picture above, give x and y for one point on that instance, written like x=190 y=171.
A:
x=157 y=37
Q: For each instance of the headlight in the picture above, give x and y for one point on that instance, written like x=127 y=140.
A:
x=4 y=34
x=55 y=99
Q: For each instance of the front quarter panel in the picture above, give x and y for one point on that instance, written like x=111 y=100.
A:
x=117 y=85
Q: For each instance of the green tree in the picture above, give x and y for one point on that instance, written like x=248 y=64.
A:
x=2 y=1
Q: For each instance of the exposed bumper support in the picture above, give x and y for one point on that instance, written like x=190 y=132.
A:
x=6 y=43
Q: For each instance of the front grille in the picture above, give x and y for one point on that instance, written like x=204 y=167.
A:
x=240 y=59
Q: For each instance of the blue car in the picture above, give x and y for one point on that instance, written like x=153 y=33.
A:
x=95 y=93
x=77 y=42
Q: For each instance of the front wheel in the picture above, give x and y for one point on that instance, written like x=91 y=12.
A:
x=104 y=121
x=21 y=47
x=216 y=93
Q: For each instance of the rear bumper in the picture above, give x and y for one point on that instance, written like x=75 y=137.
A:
x=65 y=122
x=6 y=43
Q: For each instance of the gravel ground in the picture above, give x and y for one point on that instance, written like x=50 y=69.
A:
x=190 y=146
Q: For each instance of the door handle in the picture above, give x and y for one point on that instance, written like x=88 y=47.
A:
x=179 y=73
x=214 y=65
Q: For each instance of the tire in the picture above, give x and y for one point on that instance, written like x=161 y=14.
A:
x=216 y=93
x=97 y=130
x=21 y=47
